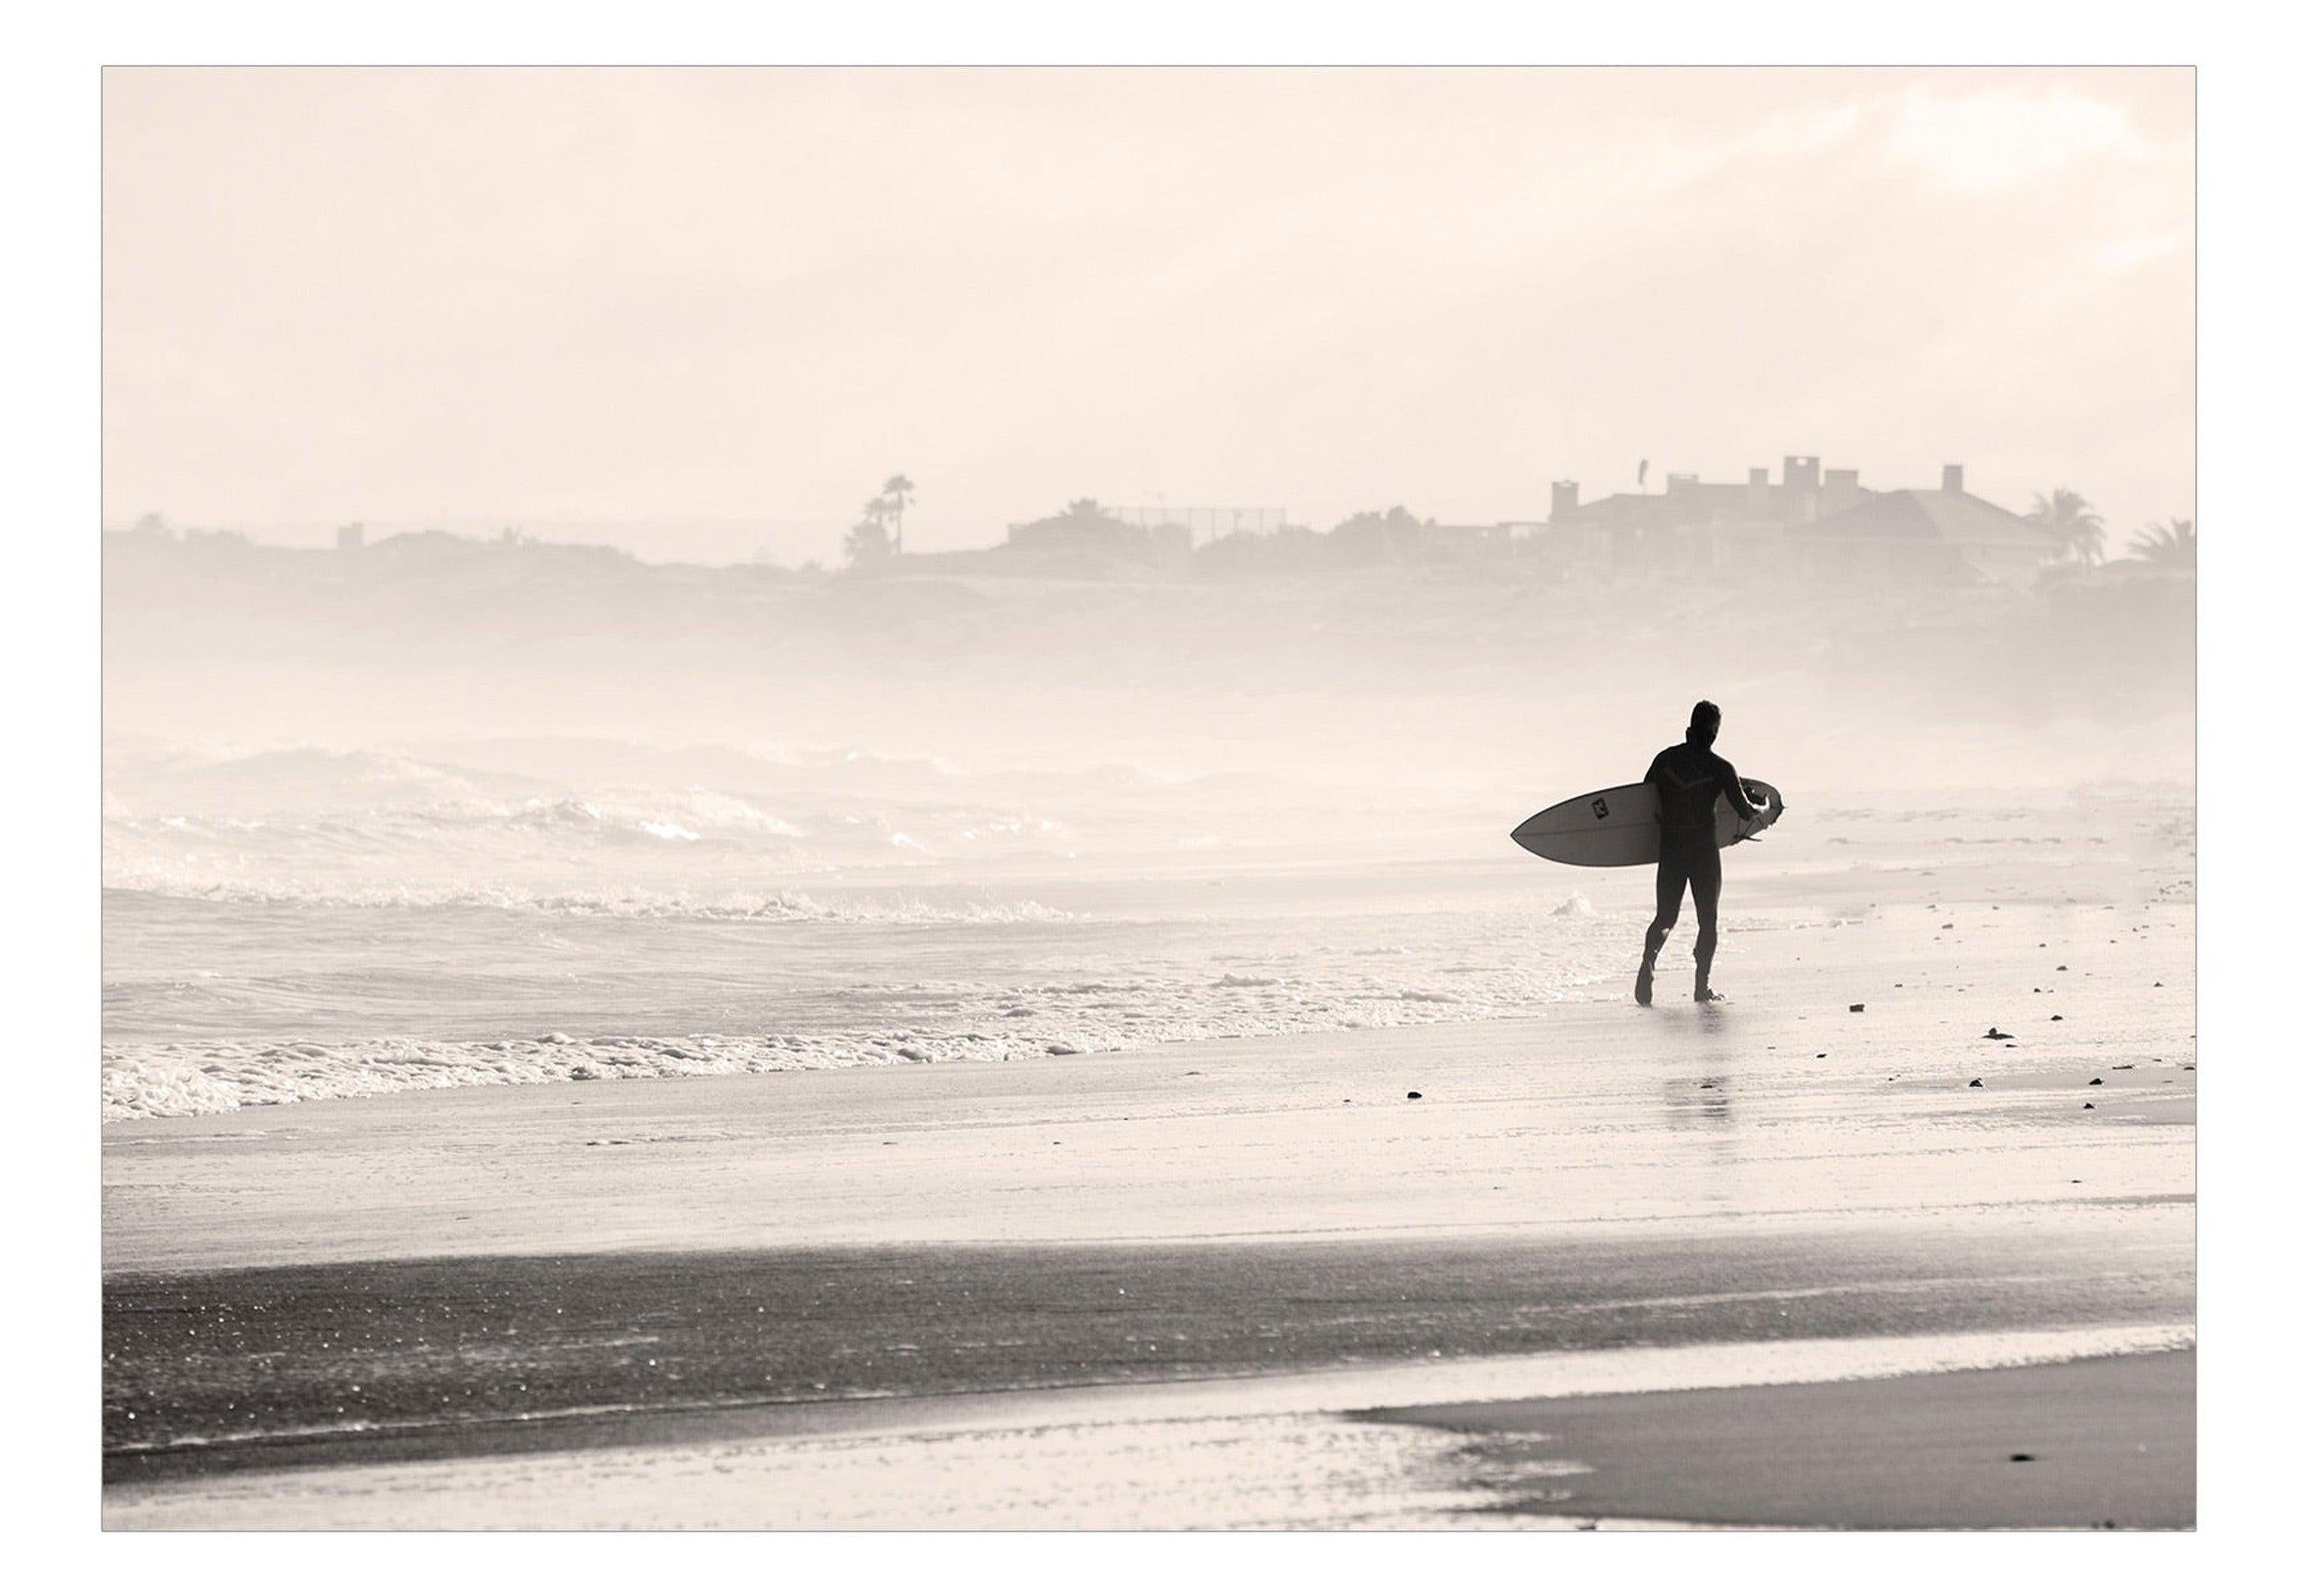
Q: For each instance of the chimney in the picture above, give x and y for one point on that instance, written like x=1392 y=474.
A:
x=1799 y=473
x=1563 y=499
x=1951 y=478
x=1759 y=490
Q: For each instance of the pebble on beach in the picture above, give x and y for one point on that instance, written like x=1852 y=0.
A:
x=1412 y=1095
x=1859 y=1008
x=1977 y=1082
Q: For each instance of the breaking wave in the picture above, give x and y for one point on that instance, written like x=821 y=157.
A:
x=168 y=1078
x=792 y=907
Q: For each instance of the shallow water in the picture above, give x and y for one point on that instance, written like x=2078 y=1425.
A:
x=304 y=925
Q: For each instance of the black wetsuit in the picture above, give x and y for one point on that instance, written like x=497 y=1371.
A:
x=1690 y=776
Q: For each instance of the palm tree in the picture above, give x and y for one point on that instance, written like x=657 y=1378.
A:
x=898 y=493
x=2071 y=522
x=2167 y=543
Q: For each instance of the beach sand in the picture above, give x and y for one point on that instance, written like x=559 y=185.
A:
x=2105 y=1442
x=566 y=1303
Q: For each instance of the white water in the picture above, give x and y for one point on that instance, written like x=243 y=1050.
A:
x=299 y=923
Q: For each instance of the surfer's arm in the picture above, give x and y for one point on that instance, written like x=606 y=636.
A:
x=1734 y=791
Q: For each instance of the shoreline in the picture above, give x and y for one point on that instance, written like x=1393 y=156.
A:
x=2032 y=1429
x=2086 y=1443
x=381 y=1361
x=1157 y=1227
x=1596 y=1116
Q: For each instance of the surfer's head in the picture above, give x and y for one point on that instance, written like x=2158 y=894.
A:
x=1706 y=721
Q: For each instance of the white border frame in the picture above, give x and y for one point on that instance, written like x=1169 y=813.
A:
x=54 y=419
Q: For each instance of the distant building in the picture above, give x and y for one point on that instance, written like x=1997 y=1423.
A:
x=351 y=539
x=1812 y=520
x=1927 y=535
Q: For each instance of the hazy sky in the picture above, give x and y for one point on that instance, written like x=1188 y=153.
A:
x=545 y=295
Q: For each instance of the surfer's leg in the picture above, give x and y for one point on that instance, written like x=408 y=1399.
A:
x=1706 y=874
x=1670 y=899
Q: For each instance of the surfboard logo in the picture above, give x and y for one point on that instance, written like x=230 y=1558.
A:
x=1603 y=810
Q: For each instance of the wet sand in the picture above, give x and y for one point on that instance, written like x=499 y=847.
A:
x=451 y=1357
x=1295 y=1452
x=1601 y=1177
x=2101 y=1443
x=1784 y=1105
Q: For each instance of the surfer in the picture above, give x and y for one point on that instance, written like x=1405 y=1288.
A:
x=1689 y=776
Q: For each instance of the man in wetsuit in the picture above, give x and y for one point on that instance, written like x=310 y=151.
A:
x=1689 y=776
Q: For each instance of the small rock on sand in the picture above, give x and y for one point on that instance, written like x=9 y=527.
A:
x=1977 y=1082
x=1414 y=1095
x=1859 y=1008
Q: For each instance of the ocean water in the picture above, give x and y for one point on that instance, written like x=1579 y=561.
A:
x=291 y=923
x=304 y=923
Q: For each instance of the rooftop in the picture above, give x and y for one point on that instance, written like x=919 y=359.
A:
x=1937 y=515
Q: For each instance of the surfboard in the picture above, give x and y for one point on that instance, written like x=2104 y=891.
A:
x=1620 y=825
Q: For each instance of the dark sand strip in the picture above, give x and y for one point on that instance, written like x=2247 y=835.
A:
x=2107 y=1442
x=396 y=1360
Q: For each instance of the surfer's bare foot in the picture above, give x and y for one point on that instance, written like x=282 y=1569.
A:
x=1644 y=985
x=1707 y=995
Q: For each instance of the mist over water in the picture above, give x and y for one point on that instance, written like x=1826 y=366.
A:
x=463 y=813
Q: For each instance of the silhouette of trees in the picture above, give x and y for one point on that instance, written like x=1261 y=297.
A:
x=2167 y=543
x=1373 y=535
x=2073 y=524
x=877 y=536
x=868 y=542
x=1080 y=515
x=898 y=495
